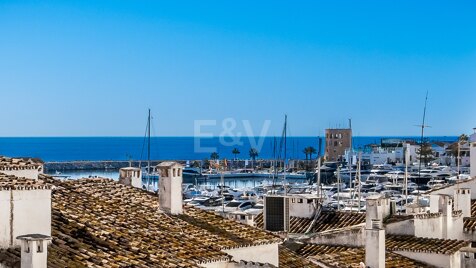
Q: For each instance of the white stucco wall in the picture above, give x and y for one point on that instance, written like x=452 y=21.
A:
x=26 y=173
x=354 y=237
x=472 y=155
x=430 y=227
x=406 y=227
x=301 y=210
x=469 y=236
x=31 y=214
x=455 y=230
x=438 y=260
x=263 y=253
x=4 y=218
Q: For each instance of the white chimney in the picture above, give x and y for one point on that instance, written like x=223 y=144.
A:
x=34 y=250
x=377 y=208
x=462 y=199
x=170 y=187
x=375 y=245
x=131 y=176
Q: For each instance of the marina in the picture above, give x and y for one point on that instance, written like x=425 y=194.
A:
x=237 y=134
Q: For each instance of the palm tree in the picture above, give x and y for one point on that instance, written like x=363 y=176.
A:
x=235 y=152
x=462 y=139
x=253 y=154
x=312 y=151
x=214 y=156
x=305 y=151
x=309 y=151
x=425 y=153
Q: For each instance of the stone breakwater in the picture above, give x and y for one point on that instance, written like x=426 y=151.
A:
x=93 y=165
x=116 y=165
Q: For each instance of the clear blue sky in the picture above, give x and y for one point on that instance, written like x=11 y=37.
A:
x=92 y=68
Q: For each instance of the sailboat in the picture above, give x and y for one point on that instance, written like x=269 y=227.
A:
x=148 y=175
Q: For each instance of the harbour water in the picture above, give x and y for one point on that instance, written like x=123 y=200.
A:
x=209 y=183
x=171 y=148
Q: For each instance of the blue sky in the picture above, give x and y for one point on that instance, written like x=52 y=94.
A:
x=92 y=68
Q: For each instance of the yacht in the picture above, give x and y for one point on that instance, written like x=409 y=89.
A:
x=436 y=183
x=235 y=205
x=461 y=177
x=381 y=169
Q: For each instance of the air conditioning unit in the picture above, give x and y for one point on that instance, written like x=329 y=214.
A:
x=276 y=213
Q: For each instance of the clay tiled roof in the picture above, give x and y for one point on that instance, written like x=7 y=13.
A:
x=473 y=208
x=340 y=256
x=98 y=222
x=315 y=249
x=328 y=220
x=18 y=163
x=419 y=244
x=289 y=259
x=469 y=224
x=8 y=182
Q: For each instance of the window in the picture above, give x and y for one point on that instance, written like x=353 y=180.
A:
x=293 y=200
x=300 y=200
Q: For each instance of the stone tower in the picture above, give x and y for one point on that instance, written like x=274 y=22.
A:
x=337 y=141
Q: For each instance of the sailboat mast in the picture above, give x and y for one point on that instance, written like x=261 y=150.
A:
x=421 y=139
x=284 y=131
x=359 y=180
x=319 y=188
x=148 y=151
x=275 y=171
x=352 y=191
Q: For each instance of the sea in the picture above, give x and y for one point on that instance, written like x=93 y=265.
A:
x=57 y=149
x=52 y=149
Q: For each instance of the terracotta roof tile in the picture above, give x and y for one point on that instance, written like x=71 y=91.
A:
x=98 y=222
x=473 y=208
x=289 y=259
x=341 y=256
x=8 y=163
x=328 y=220
x=8 y=182
x=419 y=244
x=469 y=224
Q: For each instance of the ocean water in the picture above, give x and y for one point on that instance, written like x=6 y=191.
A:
x=163 y=148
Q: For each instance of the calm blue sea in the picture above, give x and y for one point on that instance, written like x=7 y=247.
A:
x=179 y=148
